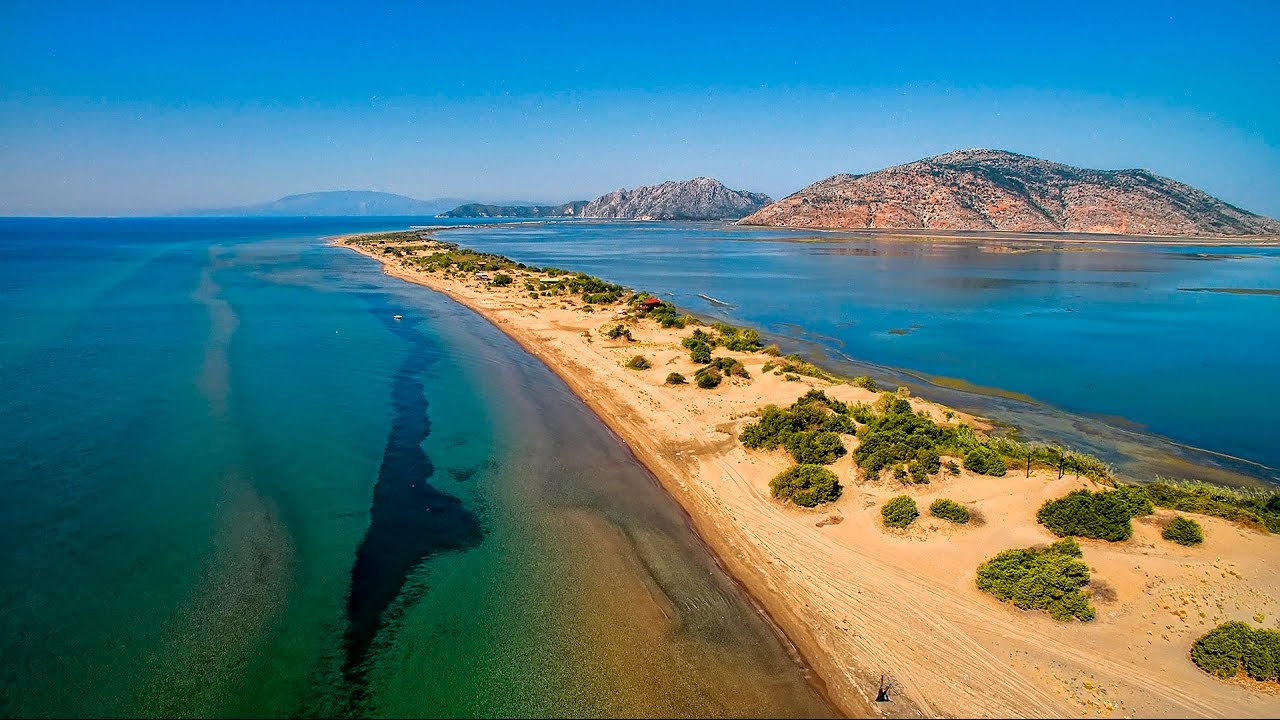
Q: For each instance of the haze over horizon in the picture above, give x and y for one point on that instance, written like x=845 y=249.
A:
x=152 y=108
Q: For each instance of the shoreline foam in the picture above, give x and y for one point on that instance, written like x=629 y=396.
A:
x=856 y=600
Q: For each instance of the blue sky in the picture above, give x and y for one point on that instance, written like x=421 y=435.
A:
x=134 y=108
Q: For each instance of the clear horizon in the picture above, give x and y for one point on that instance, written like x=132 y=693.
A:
x=152 y=109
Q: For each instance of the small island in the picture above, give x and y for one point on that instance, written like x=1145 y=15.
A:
x=901 y=545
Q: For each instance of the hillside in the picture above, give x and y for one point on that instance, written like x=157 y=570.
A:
x=998 y=190
x=697 y=199
x=481 y=210
x=338 y=203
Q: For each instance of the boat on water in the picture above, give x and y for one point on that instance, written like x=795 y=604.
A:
x=397 y=317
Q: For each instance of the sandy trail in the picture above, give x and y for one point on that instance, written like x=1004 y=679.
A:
x=859 y=600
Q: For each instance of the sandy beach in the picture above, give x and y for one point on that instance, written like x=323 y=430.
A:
x=860 y=601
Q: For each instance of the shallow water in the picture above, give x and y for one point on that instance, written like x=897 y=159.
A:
x=1105 y=339
x=236 y=486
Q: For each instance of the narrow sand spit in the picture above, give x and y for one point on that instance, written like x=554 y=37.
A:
x=860 y=601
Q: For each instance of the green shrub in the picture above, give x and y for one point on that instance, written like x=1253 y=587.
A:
x=897 y=436
x=1183 y=531
x=639 y=362
x=730 y=366
x=708 y=377
x=984 y=461
x=501 y=280
x=791 y=377
x=1049 y=579
x=899 y=512
x=772 y=350
x=675 y=378
x=617 y=330
x=1101 y=516
x=865 y=382
x=1234 y=646
x=814 y=447
x=1135 y=499
x=1254 y=508
x=700 y=353
x=949 y=510
x=769 y=365
x=806 y=485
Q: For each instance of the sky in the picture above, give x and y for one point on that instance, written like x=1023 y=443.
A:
x=141 y=108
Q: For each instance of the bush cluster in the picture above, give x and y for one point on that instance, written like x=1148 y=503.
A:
x=617 y=330
x=639 y=362
x=1233 y=647
x=806 y=485
x=899 y=512
x=708 y=377
x=738 y=339
x=1183 y=531
x=1255 y=508
x=809 y=429
x=898 y=438
x=984 y=461
x=1081 y=513
x=501 y=280
x=949 y=510
x=1050 y=579
x=675 y=378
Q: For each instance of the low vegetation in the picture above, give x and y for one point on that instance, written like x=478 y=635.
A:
x=1257 y=509
x=806 y=485
x=984 y=461
x=899 y=512
x=1050 y=579
x=949 y=510
x=639 y=362
x=1235 y=647
x=1099 y=515
x=675 y=378
x=501 y=280
x=809 y=429
x=708 y=377
x=616 y=331
x=1183 y=531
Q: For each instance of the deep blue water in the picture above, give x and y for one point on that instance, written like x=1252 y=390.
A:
x=1094 y=330
x=235 y=485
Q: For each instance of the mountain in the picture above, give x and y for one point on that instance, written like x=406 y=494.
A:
x=697 y=199
x=339 y=202
x=998 y=190
x=481 y=210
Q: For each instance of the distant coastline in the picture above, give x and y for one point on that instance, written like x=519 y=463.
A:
x=858 y=601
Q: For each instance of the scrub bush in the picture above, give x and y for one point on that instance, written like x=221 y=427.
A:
x=1050 y=579
x=1183 y=531
x=899 y=512
x=805 y=485
x=949 y=510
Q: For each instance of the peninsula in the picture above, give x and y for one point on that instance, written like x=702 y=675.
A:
x=879 y=597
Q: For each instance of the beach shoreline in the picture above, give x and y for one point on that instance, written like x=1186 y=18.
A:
x=837 y=607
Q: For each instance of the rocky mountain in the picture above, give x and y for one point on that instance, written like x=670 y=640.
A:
x=339 y=203
x=481 y=210
x=998 y=190
x=697 y=199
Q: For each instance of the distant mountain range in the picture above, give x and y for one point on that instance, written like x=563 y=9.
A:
x=697 y=199
x=482 y=210
x=338 y=203
x=998 y=190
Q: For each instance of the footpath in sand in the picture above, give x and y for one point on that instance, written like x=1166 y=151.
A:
x=860 y=601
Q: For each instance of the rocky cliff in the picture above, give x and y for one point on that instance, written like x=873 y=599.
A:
x=697 y=199
x=998 y=190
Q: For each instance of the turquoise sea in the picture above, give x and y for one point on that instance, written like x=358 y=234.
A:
x=235 y=485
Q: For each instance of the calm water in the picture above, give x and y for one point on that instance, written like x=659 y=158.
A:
x=234 y=485
x=1086 y=331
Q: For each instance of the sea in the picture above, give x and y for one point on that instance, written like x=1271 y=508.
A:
x=235 y=483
